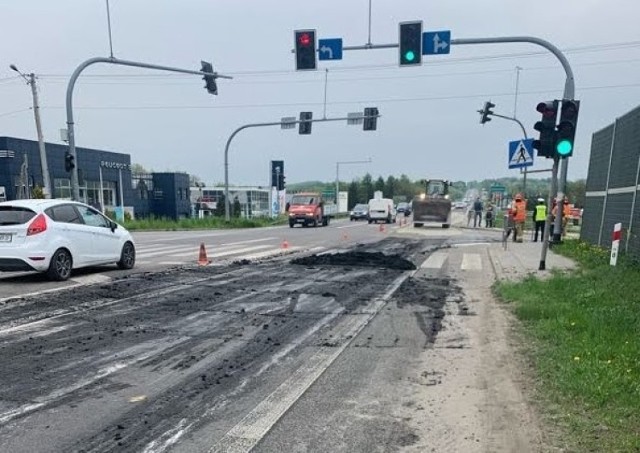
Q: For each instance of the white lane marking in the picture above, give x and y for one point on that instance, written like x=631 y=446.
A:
x=160 y=445
x=435 y=261
x=91 y=279
x=352 y=226
x=37 y=293
x=471 y=262
x=256 y=424
x=227 y=253
x=177 y=287
x=169 y=438
x=469 y=244
x=43 y=401
x=170 y=263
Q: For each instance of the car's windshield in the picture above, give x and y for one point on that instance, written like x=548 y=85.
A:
x=361 y=207
x=303 y=199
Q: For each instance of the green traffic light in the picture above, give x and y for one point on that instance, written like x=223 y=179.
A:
x=409 y=55
x=564 y=147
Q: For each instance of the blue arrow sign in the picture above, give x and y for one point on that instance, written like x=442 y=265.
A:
x=436 y=42
x=521 y=153
x=330 y=49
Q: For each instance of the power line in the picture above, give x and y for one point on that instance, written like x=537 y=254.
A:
x=449 y=61
x=352 y=79
x=361 y=101
x=15 y=112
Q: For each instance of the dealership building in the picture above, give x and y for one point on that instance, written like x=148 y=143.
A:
x=105 y=179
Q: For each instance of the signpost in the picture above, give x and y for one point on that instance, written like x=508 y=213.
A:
x=330 y=49
x=521 y=153
x=436 y=42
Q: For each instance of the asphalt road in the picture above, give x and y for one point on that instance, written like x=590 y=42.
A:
x=162 y=250
x=261 y=354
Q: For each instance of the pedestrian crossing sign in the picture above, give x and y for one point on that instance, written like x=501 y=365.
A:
x=521 y=153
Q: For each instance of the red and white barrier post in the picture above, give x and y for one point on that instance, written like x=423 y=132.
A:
x=615 y=243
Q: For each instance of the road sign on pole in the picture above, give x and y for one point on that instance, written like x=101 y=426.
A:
x=330 y=49
x=288 y=122
x=355 y=118
x=521 y=153
x=436 y=42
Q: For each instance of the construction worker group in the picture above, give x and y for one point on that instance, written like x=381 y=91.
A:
x=517 y=216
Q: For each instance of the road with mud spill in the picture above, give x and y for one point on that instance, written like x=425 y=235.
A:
x=217 y=358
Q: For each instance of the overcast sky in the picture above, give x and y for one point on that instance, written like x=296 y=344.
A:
x=429 y=128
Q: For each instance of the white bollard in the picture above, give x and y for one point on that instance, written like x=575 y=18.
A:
x=615 y=243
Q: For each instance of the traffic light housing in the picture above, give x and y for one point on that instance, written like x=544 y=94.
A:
x=546 y=143
x=304 y=127
x=277 y=170
x=410 y=40
x=69 y=162
x=370 y=122
x=210 y=81
x=305 y=47
x=567 y=128
x=282 y=182
x=486 y=112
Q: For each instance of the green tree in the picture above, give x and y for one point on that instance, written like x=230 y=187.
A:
x=354 y=194
x=577 y=192
x=219 y=211
x=390 y=187
x=237 y=207
x=366 y=188
x=379 y=186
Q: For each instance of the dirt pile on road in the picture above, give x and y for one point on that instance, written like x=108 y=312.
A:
x=357 y=258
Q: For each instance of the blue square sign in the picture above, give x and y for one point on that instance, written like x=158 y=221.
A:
x=436 y=42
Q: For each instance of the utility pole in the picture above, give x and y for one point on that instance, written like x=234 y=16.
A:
x=31 y=80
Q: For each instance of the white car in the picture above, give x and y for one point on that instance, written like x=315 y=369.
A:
x=57 y=236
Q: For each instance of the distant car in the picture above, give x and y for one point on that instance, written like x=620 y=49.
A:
x=57 y=236
x=459 y=205
x=404 y=208
x=359 y=212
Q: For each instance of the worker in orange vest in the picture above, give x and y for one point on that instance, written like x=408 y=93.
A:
x=519 y=210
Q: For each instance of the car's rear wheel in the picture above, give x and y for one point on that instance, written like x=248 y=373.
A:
x=127 y=256
x=60 y=266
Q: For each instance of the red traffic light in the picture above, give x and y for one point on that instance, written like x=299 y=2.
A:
x=304 y=39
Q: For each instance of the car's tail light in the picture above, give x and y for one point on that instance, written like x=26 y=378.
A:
x=38 y=225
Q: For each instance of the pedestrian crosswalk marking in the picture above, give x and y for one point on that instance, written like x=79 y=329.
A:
x=435 y=261
x=471 y=262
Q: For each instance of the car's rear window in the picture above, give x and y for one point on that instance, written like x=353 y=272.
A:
x=15 y=215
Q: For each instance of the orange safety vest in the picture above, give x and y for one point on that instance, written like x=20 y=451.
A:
x=566 y=210
x=519 y=211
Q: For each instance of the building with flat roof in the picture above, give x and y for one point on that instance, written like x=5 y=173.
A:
x=105 y=179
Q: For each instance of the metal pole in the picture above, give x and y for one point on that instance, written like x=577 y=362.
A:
x=246 y=126
x=326 y=76
x=121 y=190
x=101 y=195
x=43 y=153
x=515 y=101
x=547 y=222
x=109 y=27
x=69 y=102
x=369 y=40
x=337 y=180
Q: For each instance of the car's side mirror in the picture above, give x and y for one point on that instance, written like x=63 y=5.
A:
x=114 y=225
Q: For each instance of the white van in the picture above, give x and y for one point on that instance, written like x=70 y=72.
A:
x=382 y=209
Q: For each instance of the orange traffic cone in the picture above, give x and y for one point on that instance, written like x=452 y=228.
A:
x=285 y=244
x=202 y=259
x=382 y=227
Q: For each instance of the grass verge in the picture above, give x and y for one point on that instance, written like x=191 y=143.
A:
x=161 y=224
x=584 y=338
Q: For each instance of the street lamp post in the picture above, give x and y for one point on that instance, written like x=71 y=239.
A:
x=31 y=80
x=368 y=161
